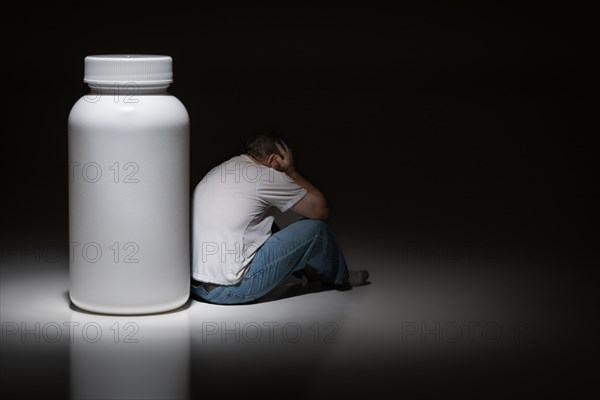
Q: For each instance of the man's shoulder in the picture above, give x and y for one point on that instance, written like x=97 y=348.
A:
x=237 y=170
x=239 y=159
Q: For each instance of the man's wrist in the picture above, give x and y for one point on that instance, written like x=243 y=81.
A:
x=291 y=171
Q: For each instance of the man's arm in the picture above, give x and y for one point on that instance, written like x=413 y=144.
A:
x=313 y=204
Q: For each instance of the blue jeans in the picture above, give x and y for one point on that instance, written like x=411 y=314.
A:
x=305 y=242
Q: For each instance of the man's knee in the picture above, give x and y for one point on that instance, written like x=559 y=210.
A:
x=318 y=228
x=302 y=232
x=315 y=224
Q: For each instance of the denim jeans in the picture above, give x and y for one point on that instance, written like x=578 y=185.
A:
x=305 y=242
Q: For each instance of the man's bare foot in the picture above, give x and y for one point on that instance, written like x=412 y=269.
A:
x=355 y=278
x=358 y=278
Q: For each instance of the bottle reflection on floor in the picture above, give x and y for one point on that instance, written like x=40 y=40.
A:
x=126 y=357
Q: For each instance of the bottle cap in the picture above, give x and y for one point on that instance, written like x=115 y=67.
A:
x=125 y=68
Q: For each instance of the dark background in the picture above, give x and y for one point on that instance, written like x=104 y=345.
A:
x=430 y=124
x=434 y=121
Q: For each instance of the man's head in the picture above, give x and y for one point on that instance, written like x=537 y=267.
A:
x=263 y=148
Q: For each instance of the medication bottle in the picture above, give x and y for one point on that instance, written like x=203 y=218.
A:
x=129 y=188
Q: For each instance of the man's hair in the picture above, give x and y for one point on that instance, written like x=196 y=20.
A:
x=262 y=145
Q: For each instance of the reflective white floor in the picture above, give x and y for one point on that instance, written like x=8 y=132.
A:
x=424 y=326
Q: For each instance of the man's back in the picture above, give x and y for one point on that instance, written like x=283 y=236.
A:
x=232 y=216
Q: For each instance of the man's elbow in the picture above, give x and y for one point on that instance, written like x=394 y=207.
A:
x=322 y=213
x=313 y=206
x=321 y=207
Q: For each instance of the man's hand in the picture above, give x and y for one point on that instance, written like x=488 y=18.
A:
x=313 y=204
x=285 y=162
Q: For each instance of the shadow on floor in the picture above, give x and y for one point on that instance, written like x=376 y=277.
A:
x=293 y=289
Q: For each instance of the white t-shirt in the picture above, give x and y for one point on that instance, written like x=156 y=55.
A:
x=233 y=210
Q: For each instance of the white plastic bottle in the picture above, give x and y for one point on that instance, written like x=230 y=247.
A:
x=129 y=188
